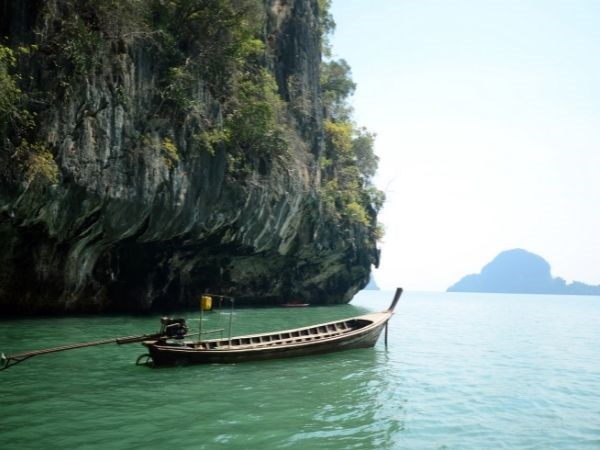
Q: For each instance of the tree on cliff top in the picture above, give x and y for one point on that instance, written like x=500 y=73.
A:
x=349 y=161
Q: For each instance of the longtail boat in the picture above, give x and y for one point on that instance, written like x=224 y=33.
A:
x=169 y=346
x=351 y=333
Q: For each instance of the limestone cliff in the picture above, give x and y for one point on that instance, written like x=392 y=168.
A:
x=155 y=157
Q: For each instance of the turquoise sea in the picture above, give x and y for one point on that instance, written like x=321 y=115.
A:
x=461 y=371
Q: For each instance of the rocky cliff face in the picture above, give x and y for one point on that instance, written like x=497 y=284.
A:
x=140 y=216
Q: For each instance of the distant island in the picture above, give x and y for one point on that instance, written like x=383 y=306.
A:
x=520 y=272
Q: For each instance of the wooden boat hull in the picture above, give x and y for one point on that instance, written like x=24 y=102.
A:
x=364 y=337
x=352 y=333
x=167 y=347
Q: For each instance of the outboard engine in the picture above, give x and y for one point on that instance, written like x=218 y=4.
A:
x=173 y=328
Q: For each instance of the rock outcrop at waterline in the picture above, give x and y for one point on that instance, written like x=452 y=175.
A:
x=141 y=166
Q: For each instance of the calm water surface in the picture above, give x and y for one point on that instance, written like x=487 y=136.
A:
x=462 y=371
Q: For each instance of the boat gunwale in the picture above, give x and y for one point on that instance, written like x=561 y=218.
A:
x=376 y=319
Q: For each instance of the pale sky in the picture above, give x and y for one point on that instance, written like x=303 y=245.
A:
x=487 y=114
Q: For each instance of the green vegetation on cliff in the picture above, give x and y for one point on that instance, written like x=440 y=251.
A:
x=218 y=43
x=214 y=43
x=348 y=162
x=33 y=161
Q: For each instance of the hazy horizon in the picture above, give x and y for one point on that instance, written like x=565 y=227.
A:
x=487 y=121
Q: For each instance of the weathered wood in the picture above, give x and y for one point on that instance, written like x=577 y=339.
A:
x=355 y=332
x=386 y=335
x=395 y=300
x=11 y=360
